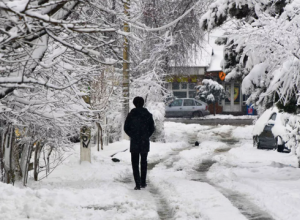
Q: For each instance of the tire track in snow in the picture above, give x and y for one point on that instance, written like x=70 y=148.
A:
x=164 y=211
x=246 y=207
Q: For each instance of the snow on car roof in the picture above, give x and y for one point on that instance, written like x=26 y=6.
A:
x=263 y=120
x=279 y=128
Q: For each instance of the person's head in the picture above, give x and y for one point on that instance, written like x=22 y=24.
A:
x=138 y=102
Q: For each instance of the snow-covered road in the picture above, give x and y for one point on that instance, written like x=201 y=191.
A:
x=222 y=178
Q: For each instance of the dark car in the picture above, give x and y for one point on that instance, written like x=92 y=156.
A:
x=186 y=107
x=266 y=139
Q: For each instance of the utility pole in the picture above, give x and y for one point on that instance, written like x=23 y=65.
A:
x=125 y=108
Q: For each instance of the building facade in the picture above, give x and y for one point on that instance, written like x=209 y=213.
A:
x=181 y=80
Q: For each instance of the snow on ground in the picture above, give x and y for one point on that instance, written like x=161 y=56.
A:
x=221 y=116
x=266 y=177
x=176 y=184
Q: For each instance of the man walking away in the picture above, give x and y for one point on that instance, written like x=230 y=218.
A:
x=139 y=126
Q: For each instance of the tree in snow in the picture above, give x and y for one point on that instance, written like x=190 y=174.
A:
x=211 y=92
x=50 y=51
x=263 y=50
x=173 y=31
x=261 y=47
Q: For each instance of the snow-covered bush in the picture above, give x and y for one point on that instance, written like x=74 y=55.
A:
x=211 y=92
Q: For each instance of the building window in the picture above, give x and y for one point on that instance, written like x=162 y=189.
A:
x=192 y=86
x=175 y=86
x=184 y=90
x=192 y=94
x=180 y=94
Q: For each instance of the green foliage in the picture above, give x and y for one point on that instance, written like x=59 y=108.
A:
x=210 y=91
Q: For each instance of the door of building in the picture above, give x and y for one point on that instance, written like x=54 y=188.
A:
x=233 y=100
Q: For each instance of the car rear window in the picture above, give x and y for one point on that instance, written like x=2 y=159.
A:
x=198 y=104
x=188 y=102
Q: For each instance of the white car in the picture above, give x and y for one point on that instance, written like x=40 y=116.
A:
x=187 y=107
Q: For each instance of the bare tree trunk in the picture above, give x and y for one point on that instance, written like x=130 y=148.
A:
x=125 y=86
x=48 y=160
x=37 y=154
x=16 y=154
x=99 y=136
x=8 y=154
x=1 y=156
x=27 y=151
x=214 y=108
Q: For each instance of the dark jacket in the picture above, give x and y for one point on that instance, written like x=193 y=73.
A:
x=139 y=126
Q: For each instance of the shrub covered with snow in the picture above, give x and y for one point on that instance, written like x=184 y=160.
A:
x=210 y=91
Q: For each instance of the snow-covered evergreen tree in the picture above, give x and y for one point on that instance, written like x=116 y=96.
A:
x=210 y=92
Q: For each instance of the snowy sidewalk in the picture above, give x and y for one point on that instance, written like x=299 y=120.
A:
x=178 y=187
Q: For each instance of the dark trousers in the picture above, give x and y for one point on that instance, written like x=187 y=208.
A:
x=135 y=158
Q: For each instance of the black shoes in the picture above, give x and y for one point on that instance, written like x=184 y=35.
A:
x=139 y=188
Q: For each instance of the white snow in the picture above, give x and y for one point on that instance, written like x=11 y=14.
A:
x=217 y=56
x=104 y=189
x=224 y=116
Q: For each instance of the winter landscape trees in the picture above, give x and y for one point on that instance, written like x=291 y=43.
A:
x=262 y=47
x=262 y=50
x=54 y=54
x=50 y=52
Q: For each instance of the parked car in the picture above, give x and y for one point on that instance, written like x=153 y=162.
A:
x=270 y=131
x=186 y=107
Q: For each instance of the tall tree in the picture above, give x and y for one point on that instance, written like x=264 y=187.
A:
x=173 y=31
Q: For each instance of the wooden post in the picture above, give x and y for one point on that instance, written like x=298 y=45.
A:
x=85 y=144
